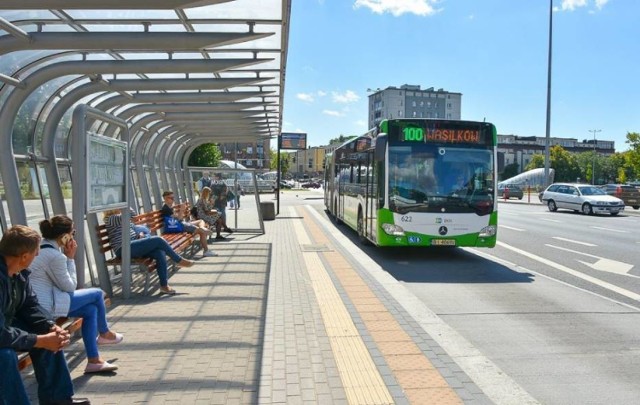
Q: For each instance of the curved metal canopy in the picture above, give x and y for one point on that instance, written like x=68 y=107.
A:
x=220 y=32
x=187 y=60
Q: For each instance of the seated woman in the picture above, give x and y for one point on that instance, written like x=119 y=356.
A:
x=53 y=277
x=153 y=247
x=208 y=213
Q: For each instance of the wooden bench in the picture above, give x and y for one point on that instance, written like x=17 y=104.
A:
x=182 y=243
x=71 y=325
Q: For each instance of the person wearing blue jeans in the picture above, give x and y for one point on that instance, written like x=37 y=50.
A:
x=54 y=280
x=25 y=325
x=153 y=247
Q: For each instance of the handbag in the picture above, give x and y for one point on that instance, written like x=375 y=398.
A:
x=172 y=225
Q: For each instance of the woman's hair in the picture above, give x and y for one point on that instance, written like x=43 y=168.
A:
x=56 y=226
x=18 y=240
x=205 y=192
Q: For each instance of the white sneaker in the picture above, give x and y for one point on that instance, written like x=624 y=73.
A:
x=208 y=253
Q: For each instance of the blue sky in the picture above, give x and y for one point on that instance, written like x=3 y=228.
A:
x=494 y=52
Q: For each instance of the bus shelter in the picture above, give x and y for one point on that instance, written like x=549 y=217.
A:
x=166 y=76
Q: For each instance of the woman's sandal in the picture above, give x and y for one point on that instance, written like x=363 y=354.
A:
x=168 y=291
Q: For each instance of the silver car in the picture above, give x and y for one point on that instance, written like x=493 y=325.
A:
x=583 y=198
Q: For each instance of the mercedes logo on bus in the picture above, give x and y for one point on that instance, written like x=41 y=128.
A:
x=443 y=230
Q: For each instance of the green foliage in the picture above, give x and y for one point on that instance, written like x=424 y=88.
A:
x=286 y=161
x=621 y=167
x=509 y=171
x=341 y=139
x=207 y=155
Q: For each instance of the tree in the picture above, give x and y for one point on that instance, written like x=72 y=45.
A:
x=563 y=163
x=633 y=158
x=284 y=157
x=207 y=155
x=509 y=171
x=341 y=139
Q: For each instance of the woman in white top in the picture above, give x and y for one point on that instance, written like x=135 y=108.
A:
x=53 y=277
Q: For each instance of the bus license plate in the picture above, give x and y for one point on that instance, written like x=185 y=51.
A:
x=443 y=242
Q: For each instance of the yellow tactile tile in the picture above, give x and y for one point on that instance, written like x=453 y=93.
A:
x=420 y=381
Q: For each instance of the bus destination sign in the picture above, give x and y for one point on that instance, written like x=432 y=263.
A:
x=450 y=134
x=293 y=140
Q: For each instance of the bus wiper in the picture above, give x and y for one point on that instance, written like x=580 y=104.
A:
x=406 y=208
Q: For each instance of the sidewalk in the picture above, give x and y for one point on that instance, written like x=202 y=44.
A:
x=288 y=317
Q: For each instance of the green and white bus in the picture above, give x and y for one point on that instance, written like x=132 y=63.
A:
x=417 y=182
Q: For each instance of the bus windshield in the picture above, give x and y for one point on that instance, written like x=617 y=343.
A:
x=435 y=178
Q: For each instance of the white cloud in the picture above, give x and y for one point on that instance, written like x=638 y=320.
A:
x=361 y=123
x=305 y=97
x=321 y=93
x=346 y=97
x=333 y=113
x=398 y=7
x=574 y=4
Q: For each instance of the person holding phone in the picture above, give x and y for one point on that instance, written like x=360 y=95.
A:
x=54 y=280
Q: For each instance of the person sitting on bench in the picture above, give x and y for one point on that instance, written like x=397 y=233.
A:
x=25 y=325
x=54 y=280
x=154 y=247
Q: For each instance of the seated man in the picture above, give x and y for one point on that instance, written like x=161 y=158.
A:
x=197 y=227
x=25 y=326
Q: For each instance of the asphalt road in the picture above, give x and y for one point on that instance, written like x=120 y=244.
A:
x=554 y=306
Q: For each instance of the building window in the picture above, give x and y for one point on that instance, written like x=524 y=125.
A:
x=413 y=104
x=421 y=103
x=248 y=163
x=399 y=113
x=249 y=149
x=310 y=164
x=428 y=104
x=414 y=114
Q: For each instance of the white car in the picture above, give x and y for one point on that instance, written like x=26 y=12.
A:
x=583 y=198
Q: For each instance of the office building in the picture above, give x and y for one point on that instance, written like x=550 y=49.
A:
x=410 y=101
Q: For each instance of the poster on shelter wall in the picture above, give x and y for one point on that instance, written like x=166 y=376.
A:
x=106 y=173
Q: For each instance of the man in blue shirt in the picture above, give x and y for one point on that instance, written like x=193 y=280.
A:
x=26 y=326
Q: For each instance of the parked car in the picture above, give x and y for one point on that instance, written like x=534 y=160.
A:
x=514 y=191
x=626 y=192
x=284 y=184
x=311 y=184
x=583 y=198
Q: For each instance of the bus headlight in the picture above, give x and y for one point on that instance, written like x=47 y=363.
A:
x=488 y=231
x=393 y=229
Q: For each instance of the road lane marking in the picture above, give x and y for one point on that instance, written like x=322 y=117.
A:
x=608 y=229
x=575 y=273
x=512 y=228
x=603 y=264
x=574 y=241
x=550 y=220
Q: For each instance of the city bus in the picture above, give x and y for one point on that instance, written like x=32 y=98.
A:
x=417 y=182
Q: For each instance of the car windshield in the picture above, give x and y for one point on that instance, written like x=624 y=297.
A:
x=589 y=190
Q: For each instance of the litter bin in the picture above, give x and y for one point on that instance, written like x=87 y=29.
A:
x=268 y=210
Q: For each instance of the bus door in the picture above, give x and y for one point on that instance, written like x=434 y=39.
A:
x=369 y=196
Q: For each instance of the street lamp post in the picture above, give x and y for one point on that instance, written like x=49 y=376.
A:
x=593 y=167
x=547 y=139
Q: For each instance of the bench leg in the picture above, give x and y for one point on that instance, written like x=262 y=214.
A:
x=147 y=278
